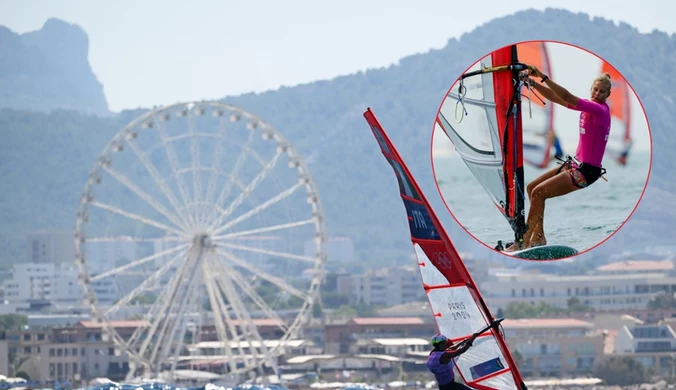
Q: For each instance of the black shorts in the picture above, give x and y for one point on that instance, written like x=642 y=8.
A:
x=584 y=175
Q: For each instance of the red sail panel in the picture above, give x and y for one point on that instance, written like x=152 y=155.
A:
x=503 y=85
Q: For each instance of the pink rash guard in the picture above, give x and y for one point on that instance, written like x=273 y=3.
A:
x=594 y=131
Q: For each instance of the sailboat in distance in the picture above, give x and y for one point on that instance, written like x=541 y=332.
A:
x=457 y=306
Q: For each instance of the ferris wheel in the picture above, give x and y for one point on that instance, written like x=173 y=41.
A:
x=200 y=242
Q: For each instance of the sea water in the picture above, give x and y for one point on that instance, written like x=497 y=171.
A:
x=581 y=219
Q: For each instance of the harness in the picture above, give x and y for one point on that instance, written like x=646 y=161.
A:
x=573 y=163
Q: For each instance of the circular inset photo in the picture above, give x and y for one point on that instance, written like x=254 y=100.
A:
x=541 y=150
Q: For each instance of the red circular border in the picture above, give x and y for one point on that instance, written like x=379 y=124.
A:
x=645 y=186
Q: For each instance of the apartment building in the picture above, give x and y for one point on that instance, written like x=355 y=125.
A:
x=106 y=254
x=611 y=292
x=51 y=247
x=560 y=347
x=50 y=282
x=384 y=287
x=80 y=352
x=654 y=345
x=342 y=336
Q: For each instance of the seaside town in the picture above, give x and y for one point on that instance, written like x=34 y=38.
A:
x=374 y=327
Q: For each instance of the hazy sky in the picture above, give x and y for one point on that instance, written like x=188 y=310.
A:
x=159 y=52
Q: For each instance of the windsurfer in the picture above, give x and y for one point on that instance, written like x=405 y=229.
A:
x=594 y=129
x=440 y=361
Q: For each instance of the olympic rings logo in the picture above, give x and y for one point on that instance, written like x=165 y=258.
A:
x=442 y=260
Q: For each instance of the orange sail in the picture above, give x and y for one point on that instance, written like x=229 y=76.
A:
x=538 y=122
x=619 y=142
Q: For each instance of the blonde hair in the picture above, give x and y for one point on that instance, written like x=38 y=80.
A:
x=605 y=79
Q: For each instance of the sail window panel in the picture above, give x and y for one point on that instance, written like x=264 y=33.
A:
x=405 y=186
x=471 y=137
x=491 y=179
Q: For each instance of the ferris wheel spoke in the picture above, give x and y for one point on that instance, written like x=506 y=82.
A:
x=306 y=259
x=195 y=155
x=145 y=284
x=181 y=317
x=194 y=302
x=136 y=336
x=244 y=320
x=263 y=275
x=234 y=173
x=220 y=310
x=159 y=310
x=136 y=217
x=215 y=160
x=248 y=289
x=147 y=198
x=261 y=207
x=265 y=229
x=130 y=239
x=197 y=212
x=152 y=170
x=173 y=163
x=138 y=262
x=176 y=314
x=248 y=189
x=228 y=313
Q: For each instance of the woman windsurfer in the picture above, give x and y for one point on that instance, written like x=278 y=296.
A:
x=594 y=128
x=440 y=361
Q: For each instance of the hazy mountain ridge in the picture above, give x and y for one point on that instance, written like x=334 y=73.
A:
x=324 y=122
x=49 y=69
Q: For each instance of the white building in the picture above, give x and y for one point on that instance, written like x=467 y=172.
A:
x=652 y=345
x=386 y=286
x=106 y=255
x=603 y=292
x=30 y=281
x=51 y=247
x=554 y=347
x=57 y=283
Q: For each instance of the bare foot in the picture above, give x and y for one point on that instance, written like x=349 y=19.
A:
x=513 y=247
x=539 y=243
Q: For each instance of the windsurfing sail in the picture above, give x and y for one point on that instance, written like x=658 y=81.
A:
x=458 y=308
x=488 y=132
x=540 y=143
x=619 y=141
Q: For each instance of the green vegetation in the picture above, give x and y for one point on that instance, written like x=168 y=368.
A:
x=11 y=322
x=621 y=371
x=663 y=301
x=518 y=357
x=146 y=299
x=517 y=310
